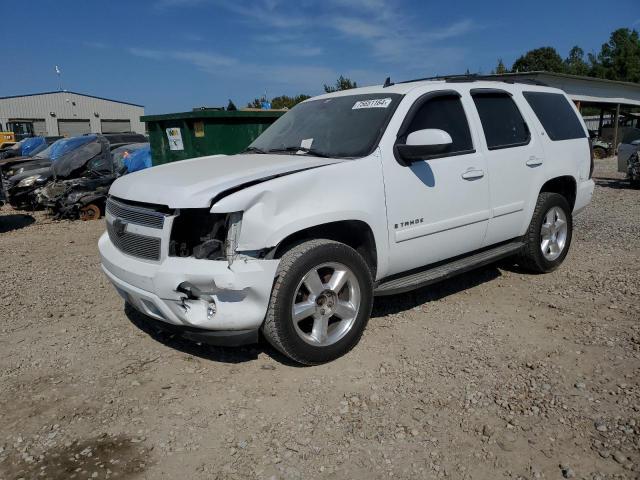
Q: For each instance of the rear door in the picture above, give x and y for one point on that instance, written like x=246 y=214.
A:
x=514 y=159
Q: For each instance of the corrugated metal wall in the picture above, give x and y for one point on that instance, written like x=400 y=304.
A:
x=69 y=106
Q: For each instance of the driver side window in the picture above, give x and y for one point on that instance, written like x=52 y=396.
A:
x=445 y=113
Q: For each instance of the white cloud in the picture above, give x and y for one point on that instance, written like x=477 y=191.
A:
x=456 y=29
x=148 y=53
x=203 y=60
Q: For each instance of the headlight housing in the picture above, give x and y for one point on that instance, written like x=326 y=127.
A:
x=29 y=181
x=198 y=233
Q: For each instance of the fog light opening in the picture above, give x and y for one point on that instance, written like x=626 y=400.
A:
x=211 y=310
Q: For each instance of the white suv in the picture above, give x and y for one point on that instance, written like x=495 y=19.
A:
x=364 y=192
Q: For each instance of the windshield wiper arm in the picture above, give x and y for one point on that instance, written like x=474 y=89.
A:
x=254 y=150
x=308 y=151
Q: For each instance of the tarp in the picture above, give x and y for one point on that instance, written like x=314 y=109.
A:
x=121 y=153
x=138 y=159
x=30 y=146
x=64 y=145
x=76 y=162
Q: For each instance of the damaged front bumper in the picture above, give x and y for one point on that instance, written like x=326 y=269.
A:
x=209 y=299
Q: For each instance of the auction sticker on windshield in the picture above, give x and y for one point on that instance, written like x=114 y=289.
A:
x=373 y=103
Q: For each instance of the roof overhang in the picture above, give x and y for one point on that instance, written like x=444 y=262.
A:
x=583 y=89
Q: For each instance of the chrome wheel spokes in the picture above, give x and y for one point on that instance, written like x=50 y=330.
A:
x=326 y=304
x=553 y=233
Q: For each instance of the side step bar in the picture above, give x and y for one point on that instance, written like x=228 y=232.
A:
x=447 y=270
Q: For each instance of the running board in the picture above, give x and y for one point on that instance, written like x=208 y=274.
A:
x=447 y=270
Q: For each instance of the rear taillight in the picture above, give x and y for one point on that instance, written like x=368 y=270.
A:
x=592 y=162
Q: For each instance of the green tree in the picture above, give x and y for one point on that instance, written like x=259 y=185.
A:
x=619 y=59
x=284 y=101
x=575 y=64
x=231 y=107
x=500 y=68
x=255 y=103
x=540 y=59
x=341 y=84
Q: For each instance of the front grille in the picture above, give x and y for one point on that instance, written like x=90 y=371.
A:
x=137 y=215
x=134 y=244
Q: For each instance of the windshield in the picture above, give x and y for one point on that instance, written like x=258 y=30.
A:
x=345 y=127
x=64 y=145
x=94 y=156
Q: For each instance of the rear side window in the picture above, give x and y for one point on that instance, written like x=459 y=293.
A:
x=502 y=122
x=556 y=115
x=445 y=113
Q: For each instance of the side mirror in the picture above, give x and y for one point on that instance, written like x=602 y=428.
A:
x=424 y=143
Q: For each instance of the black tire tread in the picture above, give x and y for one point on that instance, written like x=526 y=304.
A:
x=270 y=327
x=529 y=257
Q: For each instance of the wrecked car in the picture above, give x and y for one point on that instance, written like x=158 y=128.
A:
x=83 y=196
x=633 y=170
x=363 y=192
x=22 y=177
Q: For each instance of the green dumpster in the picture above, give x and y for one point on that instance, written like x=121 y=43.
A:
x=178 y=136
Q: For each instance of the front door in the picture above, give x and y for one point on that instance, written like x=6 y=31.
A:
x=436 y=208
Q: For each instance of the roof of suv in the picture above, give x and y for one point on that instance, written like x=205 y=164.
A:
x=440 y=84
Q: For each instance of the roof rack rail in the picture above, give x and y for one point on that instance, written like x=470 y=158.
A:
x=475 y=78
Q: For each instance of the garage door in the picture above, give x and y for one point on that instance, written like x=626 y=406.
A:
x=73 y=128
x=39 y=128
x=116 y=126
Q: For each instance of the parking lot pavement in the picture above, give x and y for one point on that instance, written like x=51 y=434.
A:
x=496 y=374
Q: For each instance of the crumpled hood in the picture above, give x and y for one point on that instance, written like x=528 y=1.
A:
x=194 y=183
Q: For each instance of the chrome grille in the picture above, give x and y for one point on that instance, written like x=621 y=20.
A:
x=136 y=215
x=134 y=244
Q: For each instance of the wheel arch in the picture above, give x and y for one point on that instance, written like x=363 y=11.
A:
x=564 y=185
x=355 y=233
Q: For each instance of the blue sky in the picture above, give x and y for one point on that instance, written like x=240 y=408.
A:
x=172 y=55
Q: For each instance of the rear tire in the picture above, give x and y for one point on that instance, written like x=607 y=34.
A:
x=599 y=152
x=548 y=238
x=320 y=302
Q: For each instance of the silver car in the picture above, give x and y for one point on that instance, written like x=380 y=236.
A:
x=628 y=146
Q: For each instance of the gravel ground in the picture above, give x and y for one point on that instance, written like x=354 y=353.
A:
x=496 y=374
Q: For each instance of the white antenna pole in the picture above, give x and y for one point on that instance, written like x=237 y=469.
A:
x=58 y=73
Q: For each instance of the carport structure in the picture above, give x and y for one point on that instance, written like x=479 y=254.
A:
x=609 y=107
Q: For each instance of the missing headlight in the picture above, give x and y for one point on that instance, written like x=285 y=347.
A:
x=198 y=233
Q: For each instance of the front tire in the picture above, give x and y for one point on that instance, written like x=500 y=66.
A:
x=320 y=302
x=548 y=238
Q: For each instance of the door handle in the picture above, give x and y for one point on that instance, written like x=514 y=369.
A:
x=534 y=161
x=473 y=174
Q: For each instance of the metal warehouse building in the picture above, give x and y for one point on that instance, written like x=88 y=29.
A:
x=68 y=113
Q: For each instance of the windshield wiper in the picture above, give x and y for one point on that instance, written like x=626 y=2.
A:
x=308 y=151
x=253 y=150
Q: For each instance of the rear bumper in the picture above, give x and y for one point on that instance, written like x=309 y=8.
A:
x=584 y=193
x=240 y=294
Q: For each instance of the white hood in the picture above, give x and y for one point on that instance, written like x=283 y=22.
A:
x=194 y=183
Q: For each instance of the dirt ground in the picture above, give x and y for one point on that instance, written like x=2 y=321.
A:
x=496 y=374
